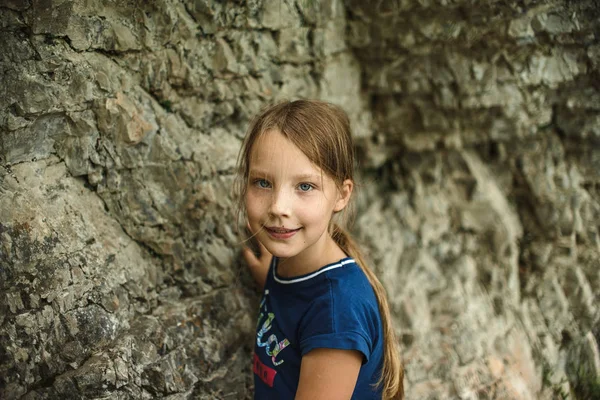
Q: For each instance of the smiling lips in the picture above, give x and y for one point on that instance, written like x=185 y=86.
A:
x=280 y=233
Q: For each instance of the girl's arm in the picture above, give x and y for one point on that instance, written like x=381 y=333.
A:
x=259 y=266
x=328 y=374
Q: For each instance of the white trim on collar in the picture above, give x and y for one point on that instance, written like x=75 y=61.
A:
x=310 y=276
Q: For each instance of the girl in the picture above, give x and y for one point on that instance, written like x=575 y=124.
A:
x=324 y=329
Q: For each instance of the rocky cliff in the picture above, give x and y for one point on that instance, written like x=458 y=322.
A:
x=478 y=130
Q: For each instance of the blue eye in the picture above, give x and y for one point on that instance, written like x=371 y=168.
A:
x=305 y=187
x=262 y=183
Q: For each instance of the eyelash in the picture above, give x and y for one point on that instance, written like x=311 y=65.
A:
x=259 y=183
x=310 y=187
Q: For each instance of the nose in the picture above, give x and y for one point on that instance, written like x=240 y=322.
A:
x=280 y=204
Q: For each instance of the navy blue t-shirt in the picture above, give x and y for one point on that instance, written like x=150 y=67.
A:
x=334 y=307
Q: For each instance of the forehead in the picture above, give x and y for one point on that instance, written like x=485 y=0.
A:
x=274 y=153
x=273 y=141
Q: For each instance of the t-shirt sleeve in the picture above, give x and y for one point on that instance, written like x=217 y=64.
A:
x=338 y=323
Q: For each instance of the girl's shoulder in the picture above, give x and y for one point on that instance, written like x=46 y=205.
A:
x=344 y=311
x=351 y=279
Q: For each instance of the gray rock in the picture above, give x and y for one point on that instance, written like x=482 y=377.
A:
x=477 y=141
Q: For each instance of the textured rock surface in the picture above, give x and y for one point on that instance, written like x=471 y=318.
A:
x=479 y=137
x=486 y=147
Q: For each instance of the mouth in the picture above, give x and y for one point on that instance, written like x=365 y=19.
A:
x=281 y=233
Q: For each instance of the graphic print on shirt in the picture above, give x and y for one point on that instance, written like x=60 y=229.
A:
x=272 y=345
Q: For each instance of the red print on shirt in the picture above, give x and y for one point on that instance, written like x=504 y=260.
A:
x=266 y=374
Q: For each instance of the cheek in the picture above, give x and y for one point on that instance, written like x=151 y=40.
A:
x=318 y=212
x=255 y=205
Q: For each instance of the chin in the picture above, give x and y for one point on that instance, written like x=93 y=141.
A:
x=281 y=253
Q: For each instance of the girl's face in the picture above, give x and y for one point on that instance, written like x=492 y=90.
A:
x=289 y=200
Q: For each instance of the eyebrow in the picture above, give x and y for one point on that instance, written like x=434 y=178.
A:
x=301 y=177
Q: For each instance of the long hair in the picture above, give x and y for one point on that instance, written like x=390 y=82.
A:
x=322 y=132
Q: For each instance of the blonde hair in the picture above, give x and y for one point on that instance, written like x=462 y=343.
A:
x=322 y=132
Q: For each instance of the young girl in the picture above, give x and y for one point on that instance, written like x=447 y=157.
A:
x=324 y=329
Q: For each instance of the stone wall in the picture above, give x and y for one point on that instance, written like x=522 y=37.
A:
x=484 y=218
x=121 y=122
x=479 y=134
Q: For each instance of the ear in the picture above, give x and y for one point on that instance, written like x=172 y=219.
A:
x=344 y=193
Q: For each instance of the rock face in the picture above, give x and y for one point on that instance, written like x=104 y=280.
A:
x=478 y=130
x=486 y=147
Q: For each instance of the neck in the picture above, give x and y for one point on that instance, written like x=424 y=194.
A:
x=311 y=259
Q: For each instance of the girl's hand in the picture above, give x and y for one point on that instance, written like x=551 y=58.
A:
x=259 y=266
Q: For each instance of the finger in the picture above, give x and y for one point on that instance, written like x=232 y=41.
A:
x=264 y=255
x=263 y=250
x=250 y=257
